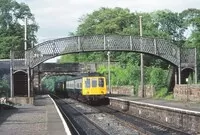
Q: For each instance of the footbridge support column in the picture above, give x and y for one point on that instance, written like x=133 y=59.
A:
x=29 y=82
x=179 y=75
x=195 y=66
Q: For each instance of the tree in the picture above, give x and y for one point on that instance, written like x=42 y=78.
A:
x=114 y=21
x=171 y=23
x=11 y=30
x=191 y=19
x=105 y=21
x=118 y=21
x=161 y=24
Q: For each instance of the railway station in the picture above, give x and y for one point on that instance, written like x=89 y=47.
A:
x=178 y=117
x=121 y=72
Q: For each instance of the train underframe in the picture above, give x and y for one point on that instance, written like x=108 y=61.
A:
x=89 y=99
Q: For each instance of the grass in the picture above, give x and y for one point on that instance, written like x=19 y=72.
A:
x=163 y=94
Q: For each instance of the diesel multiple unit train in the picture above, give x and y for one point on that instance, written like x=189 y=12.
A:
x=84 y=88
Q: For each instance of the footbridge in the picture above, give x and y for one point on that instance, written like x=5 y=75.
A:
x=181 y=58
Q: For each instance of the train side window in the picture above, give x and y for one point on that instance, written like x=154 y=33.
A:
x=94 y=83
x=87 y=83
x=101 y=82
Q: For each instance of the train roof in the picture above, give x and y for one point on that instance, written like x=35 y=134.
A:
x=85 y=75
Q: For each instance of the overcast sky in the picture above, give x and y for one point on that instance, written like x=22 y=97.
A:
x=57 y=18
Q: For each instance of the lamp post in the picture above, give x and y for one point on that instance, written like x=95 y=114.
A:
x=25 y=39
x=25 y=59
x=141 y=59
x=25 y=34
x=109 y=85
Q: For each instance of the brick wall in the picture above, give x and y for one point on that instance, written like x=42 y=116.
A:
x=187 y=92
x=123 y=90
x=149 y=91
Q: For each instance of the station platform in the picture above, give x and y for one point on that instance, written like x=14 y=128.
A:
x=181 y=115
x=42 y=118
x=190 y=106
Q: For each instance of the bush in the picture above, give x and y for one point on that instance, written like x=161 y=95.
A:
x=161 y=93
x=4 y=88
x=49 y=83
x=170 y=96
x=126 y=75
x=158 y=78
x=129 y=74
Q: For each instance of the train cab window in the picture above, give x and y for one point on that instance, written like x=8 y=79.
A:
x=101 y=82
x=94 y=83
x=87 y=83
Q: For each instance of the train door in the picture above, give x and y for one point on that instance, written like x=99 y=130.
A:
x=102 y=85
x=86 y=86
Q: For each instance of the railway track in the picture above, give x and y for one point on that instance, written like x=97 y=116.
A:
x=112 y=120
x=77 y=122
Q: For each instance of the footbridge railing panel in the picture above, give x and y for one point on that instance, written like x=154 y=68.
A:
x=168 y=51
x=188 y=58
x=77 y=44
x=92 y=43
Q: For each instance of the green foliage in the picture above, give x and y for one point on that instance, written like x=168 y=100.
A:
x=158 y=78
x=84 y=57
x=4 y=88
x=127 y=75
x=11 y=30
x=49 y=83
x=164 y=94
x=162 y=24
x=171 y=23
x=191 y=79
x=114 y=21
x=7 y=43
x=169 y=96
x=105 y=21
x=117 y=21
x=191 y=19
x=161 y=93
x=130 y=75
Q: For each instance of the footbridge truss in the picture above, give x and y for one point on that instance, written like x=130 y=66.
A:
x=180 y=57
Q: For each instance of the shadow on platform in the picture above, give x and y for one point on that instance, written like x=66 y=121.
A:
x=6 y=111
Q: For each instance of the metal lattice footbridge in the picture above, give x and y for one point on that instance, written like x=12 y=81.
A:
x=180 y=57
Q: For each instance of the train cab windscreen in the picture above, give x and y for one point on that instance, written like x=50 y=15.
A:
x=101 y=82
x=87 y=83
x=94 y=83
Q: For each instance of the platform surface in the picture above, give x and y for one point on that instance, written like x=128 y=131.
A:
x=41 y=118
x=191 y=106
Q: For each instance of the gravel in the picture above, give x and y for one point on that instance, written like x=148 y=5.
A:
x=107 y=122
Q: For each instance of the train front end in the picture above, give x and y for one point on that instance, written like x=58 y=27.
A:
x=94 y=88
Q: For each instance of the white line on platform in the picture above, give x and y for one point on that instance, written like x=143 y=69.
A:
x=61 y=117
